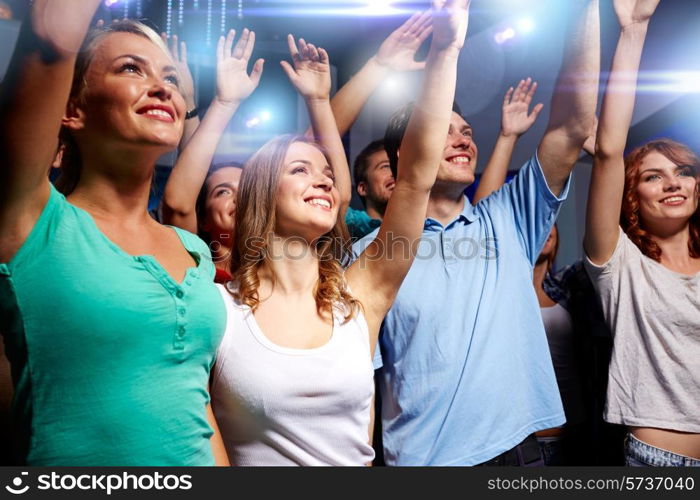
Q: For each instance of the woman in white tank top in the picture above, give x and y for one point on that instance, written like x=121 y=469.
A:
x=293 y=380
x=648 y=273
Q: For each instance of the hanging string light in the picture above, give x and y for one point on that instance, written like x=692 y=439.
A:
x=223 y=16
x=240 y=9
x=181 y=13
x=209 y=9
x=139 y=9
x=169 y=18
x=126 y=9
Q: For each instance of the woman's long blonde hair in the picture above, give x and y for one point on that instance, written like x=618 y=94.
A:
x=256 y=217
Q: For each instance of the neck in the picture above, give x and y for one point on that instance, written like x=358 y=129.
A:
x=115 y=184
x=221 y=249
x=538 y=274
x=292 y=267
x=674 y=246
x=376 y=212
x=446 y=202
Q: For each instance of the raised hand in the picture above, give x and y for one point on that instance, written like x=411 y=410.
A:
x=233 y=83
x=631 y=12
x=61 y=25
x=516 y=118
x=398 y=51
x=179 y=55
x=311 y=73
x=450 y=21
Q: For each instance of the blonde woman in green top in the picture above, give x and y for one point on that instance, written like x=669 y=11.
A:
x=110 y=320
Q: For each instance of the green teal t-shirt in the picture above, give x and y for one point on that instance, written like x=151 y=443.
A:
x=110 y=356
x=359 y=223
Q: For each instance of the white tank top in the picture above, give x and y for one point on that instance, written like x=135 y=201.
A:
x=282 y=406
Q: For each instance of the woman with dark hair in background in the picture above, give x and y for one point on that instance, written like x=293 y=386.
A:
x=100 y=305
x=201 y=199
x=647 y=272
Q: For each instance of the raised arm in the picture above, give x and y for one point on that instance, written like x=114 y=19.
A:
x=233 y=85
x=396 y=53
x=179 y=53
x=575 y=97
x=608 y=175
x=311 y=76
x=375 y=277
x=516 y=119
x=33 y=100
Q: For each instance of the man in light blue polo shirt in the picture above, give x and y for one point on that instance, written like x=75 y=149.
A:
x=467 y=376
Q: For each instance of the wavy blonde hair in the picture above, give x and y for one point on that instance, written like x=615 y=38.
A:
x=255 y=221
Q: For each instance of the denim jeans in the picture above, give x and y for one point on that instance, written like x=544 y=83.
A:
x=640 y=454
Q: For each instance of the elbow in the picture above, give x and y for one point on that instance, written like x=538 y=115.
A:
x=173 y=211
x=606 y=152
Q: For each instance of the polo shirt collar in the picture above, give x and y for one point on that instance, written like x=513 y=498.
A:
x=468 y=215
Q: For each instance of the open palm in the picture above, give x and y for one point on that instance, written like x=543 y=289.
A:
x=311 y=71
x=178 y=51
x=634 y=11
x=398 y=51
x=517 y=118
x=233 y=83
x=450 y=21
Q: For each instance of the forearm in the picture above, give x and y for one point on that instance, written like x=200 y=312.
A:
x=190 y=171
x=192 y=124
x=496 y=170
x=217 y=442
x=618 y=102
x=608 y=173
x=422 y=146
x=326 y=134
x=31 y=110
x=576 y=92
x=575 y=99
x=348 y=102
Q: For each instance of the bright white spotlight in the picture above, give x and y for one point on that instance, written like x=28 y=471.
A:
x=109 y=3
x=379 y=7
x=253 y=122
x=265 y=115
x=392 y=84
x=526 y=25
x=505 y=35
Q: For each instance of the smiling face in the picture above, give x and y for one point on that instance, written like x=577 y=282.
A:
x=220 y=202
x=131 y=96
x=666 y=191
x=460 y=154
x=307 y=199
x=380 y=181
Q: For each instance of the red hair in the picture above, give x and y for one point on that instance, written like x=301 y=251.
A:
x=630 y=219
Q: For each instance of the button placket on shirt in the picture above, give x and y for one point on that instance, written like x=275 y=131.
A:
x=181 y=319
x=178 y=293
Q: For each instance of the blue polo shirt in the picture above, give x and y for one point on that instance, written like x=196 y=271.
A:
x=466 y=370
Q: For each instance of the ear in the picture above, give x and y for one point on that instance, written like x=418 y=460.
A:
x=74 y=116
x=362 y=188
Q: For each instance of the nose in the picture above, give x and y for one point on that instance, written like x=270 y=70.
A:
x=322 y=181
x=673 y=183
x=160 y=90
x=460 y=141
